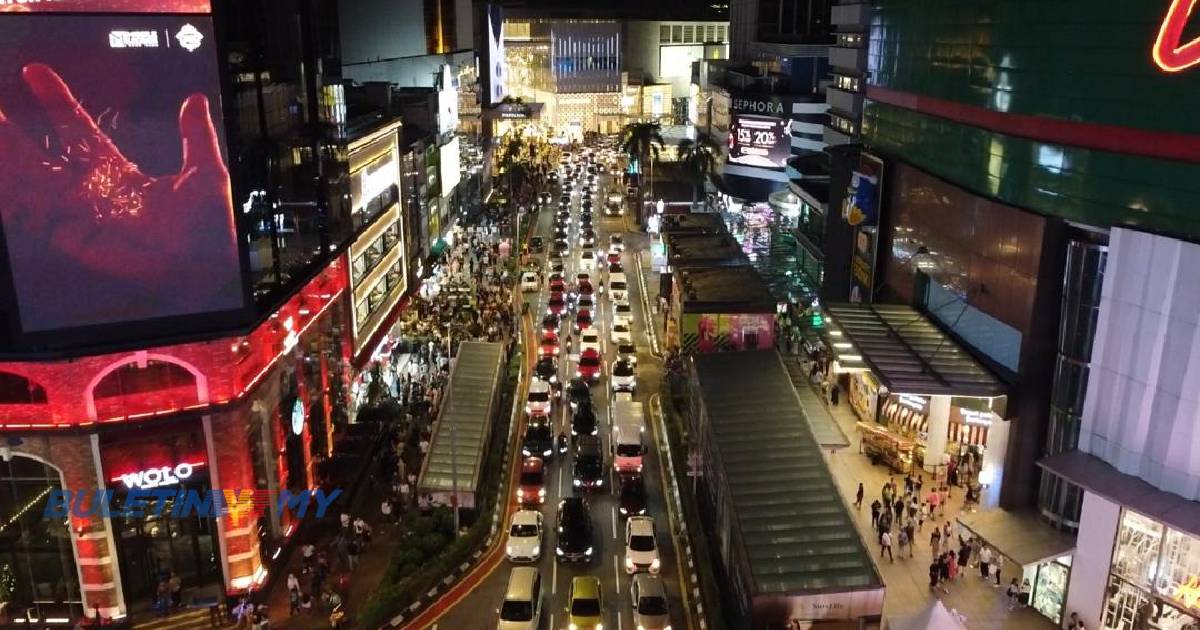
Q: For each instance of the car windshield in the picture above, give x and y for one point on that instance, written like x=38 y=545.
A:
x=537 y=432
x=523 y=531
x=641 y=543
x=621 y=328
x=652 y=605
x=626 y=348
x=590 y=465
x=517 y=611
x=585 y=607
x=539 y=396
x=633 y=491
x=532 y=478
x=629 y=450
x=590 y=362
x=623 y=369
x=618 y=286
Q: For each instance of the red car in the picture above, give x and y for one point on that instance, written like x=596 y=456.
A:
x=556 y=305
x=614 y=258
x=583 y=321
x=549 y=345
x=589 y=365
x=551 y=323
x=557 y=285
x=584 y=288
x=532 y=488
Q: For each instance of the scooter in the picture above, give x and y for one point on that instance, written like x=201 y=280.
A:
x=562 y=443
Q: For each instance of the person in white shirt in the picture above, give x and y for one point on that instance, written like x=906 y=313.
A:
x=985 y=561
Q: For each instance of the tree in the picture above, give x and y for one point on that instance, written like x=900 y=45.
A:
x=698 y=157
x=642 y=142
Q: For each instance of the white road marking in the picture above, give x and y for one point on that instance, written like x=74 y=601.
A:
x=614 y=521
x=554 y=581
x=616 y=575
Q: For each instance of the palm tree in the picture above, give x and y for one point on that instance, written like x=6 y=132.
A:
x=699 y=157
x=642 y=141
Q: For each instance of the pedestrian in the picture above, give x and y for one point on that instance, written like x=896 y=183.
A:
x=985 y=561
x=944 y=563
x=934 y=574
x=908 y=484
x=964 y=556
x=293 y=601
x=875 y=507
x=385 y=510
x=913 y=507
x=997 y=565
x=306 y=604
x=898 y=507
x=933 y=500
x=910 y=531
x=1014 y=594
x=976 y=547
x=858 y=497
x=946 y=531
x=885 y=546
x=344 y=518
x=1073 y=621
x=952 y=565
x=352 y=551
x=918 y=483
x=293 y=582
x=935 y=542
x=903 y=541
x=175 y=583
x=922 y=515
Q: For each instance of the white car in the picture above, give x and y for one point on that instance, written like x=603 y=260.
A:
x=649 y=603
x=589 y=340
x=621 y=333
x=587 y=260
x=623 y=376
x=540 y=399
x=627 y=352
x=622 y=312
x=525 y=536
x=616 y=243
x=641 y=548
x=618 y=287
x=529 y=282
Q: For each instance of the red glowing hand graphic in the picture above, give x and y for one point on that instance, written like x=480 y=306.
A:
x=75 y=195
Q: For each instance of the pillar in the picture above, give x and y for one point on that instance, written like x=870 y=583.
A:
x=939 y=430
x=231 y=471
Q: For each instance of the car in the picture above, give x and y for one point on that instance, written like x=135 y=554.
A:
x=556 y=304
x=578 y=393
x=616 y=243
x=548 y=346
x=564 y=199
x=557 y=284
x=589 y=340
x=616 y=268
x=525 y=536
x=618 y=288
x=556 y=267
x=539 y=438
x=641 y=547
x=582 y=278
x=585 y=304
x=531 y=487
x=560 y=245
x=583 y=287
x=649 y=599
x=588 y=471
x=522 y=607
x=585 y=218
x=621 y=332
x=529 y=282
x=546 y=369
x=589 y=232
x=587 y=238
x=586 y=259
x=589 y=366
x=585 y=610
x=583 y=421
x=551 y=323
x=613 y=257
x=631 y=494
x=623 y=376
x=622 y=312
x=583 y=321
x=536 y=243
x=555 y=276
x=627 y=352
x=575 y=543
x=556 y=254
x=561 y=234
x=540 y=398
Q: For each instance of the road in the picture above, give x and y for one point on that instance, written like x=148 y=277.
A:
x=478 y=609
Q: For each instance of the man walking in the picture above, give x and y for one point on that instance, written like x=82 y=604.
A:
x=885 y=546
x=985 y=561
x=875 y=507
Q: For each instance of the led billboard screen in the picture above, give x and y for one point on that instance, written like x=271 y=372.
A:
x=450 y=173
x=497 y=66
x=105 y=6
x=114 y=190
x=763 y=141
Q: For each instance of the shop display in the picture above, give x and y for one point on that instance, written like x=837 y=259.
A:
x=1154 y=581
x=884 y=448
x=863 y=393
x=1050 y=589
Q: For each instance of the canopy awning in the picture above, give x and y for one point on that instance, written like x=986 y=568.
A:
x=906 y=351
x=1020 y=536
x=1099 y=477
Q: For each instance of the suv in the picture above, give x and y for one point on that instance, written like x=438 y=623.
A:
x=531 y=490
x=522 y=607
x=584 y=420
x=578 y=393
x=631 y=497
x=574 y=531
x=588 y=473
x=540 y=399
x=539 y=439
x=641 y=547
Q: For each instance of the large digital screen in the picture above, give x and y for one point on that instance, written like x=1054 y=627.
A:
x=114 y=190
x=497 y=66
x=105 y=6
x=763 y=141
x=450 y=170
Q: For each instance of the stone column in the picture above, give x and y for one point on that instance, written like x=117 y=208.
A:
x=939 y=429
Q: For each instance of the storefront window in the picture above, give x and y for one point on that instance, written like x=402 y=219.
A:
x=1050 y=588
x=1136 y=557
x=1155 y=578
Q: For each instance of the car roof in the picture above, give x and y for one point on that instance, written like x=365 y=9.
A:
x=585 y=587
x=589 y=442
x=520 y=584
x=526 y=517
x=649 y=585
x=532 y=464
x=641 y=525
x=540 y=386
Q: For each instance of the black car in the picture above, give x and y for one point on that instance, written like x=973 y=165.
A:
x=536 y=243
x=560 y=234
x=538 y=441
x=551 y=323
x=615 y=268
x=583 y=423
x=579 y=393
x=546 y=369
x=631 y=495
x=588 y=473
x=575 y=542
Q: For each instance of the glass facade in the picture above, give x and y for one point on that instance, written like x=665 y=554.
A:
x=1154 y=581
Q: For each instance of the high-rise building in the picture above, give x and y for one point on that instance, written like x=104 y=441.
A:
x=1034 y=198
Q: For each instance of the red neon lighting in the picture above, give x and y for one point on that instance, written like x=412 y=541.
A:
x=1169 y=52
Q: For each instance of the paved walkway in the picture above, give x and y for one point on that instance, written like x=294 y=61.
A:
x=907 y=579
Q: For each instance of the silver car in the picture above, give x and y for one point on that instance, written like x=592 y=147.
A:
x=649 y=603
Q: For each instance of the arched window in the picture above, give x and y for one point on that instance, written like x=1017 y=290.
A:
x=18 y=390
x=132 y=389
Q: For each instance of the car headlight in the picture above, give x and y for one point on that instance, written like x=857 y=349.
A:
x=525 y=452
x=599 y=626
x=628 y=562
x=547 y=453
x=518 y=493
x=572 y=627
x=654 y=564
x=528 y=407
x=578 y=373
x=577 y=483
x=541 y=492
x=558 y=551
x=624 y=511
x=510 y=550
x=600 y=482
x=588 y=552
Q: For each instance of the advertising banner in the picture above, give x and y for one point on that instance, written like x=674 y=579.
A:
x=861 y=210
x=114 y=190
x=105 y=6
x=497 y=67
x=763 y=141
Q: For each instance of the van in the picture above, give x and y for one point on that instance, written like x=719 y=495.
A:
x=627 y=448
x=522 y=606
x=618 y=290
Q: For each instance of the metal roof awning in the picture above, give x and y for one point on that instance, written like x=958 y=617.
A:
x=906 y=351
x=1021 y=536
x=1099 y=477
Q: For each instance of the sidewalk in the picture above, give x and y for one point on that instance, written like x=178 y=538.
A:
x=907 y=579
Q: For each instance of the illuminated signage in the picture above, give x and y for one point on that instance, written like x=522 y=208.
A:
x=980 y=418
x=158 y=476
x=298 y=417
x=1169 y=52
x=908 y=400
x=105 y=6
x=292 y=338
x=133 y=39
x=756 y=106
x=762 y=141
x=189 y=37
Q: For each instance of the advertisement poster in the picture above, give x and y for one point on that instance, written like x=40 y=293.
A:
x=764 y=141
x=861 y=209
x=114 y=190
x=105 y=6
x=497 y=72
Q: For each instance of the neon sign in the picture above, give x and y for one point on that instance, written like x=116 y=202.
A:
x=1169 y=52
x=158 y=476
